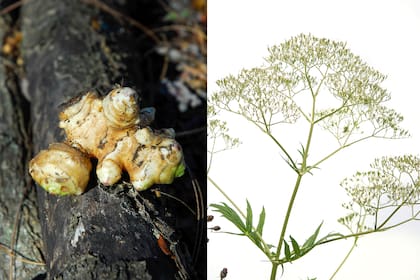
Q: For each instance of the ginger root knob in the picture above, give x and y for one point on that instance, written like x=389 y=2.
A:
x=113 y=130
x=61 y=169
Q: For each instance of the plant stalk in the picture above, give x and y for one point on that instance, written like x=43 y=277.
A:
x=302 y=171
x=285 y=223
x=226 y=196
x=345 y=258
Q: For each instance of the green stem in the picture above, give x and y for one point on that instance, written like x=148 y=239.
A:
x=211 y=155
x=302 y=171
x=266 y=248
x=342 y=147
x=226 y=196
x=284 y=151
x=396 y=210
x=269 y=134
x=274 y=269
x=382 y=229
x=287 y=217
x=341 y=237
x=345 y=258
x=285 y=223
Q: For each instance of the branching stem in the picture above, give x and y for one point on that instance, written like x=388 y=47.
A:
x=302 y=171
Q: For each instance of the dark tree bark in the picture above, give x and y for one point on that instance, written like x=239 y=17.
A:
x=106 y=233
x=19 y=225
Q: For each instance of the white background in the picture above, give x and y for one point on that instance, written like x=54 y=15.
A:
x=386 y=35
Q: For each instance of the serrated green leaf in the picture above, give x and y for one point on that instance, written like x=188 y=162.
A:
x=309 y=243
x=230 y=215
x=295 y=245
x=261 y=222
x=248 y=217
x=287 y=251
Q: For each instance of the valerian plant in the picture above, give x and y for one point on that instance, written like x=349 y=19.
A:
x=319 y=82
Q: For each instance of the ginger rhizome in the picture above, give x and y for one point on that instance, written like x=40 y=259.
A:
x=113 y=130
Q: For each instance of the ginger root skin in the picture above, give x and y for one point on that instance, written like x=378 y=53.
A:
x=61 y=169
x=109 y=129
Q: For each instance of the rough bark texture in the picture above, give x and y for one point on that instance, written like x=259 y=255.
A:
x=19 y=230
x=106 y=233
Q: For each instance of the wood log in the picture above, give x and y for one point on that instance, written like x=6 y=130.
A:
x=20 y=233
x=108 y=232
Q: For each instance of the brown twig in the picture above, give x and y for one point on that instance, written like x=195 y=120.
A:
x=199 y=73
x=190 y=132
x=16 y=225
x=165 y=60
x=12 y=7
x=174 y=198
x=165 y=6
x=200 y=35
x=107 y=9
x=200 y=216
x=19 y=257
x=164 y=67
x=176 y=27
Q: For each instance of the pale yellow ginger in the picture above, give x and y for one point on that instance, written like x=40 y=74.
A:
x=61 y=169
x=112 y=130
